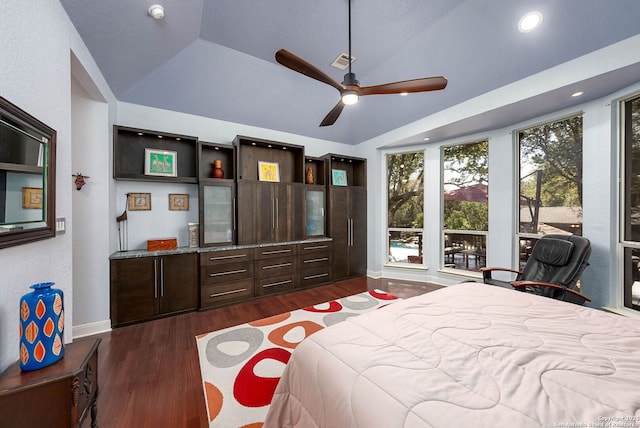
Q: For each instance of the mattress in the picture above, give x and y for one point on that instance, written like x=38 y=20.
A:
x=468 y=355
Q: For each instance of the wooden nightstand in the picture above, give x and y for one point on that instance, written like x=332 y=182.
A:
x=59 y=395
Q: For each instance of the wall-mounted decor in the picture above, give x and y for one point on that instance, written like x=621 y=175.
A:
x=268 y=171
x=139 y=201
x=339 y=177
x=32 y=197
x=178 y=202
x=162 y=163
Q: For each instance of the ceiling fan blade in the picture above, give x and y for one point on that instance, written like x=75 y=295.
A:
x=295 y=63
x=332 y=116
x=416 y=85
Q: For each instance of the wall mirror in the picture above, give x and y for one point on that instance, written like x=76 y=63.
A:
x=27 y=177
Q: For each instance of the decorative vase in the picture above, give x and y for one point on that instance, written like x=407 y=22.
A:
x=309 y=175
x=41 y=327
x=217 y=169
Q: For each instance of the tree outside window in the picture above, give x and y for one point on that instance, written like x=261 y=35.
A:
x=550 y=190
x=465 y=205
x=405 y=207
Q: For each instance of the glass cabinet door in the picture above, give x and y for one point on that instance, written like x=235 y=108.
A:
x=315 y=213
x=217 y=221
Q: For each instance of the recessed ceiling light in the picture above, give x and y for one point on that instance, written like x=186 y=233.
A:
x=156 y=11
x=577 y=94
x=425 y=139
x=530 y=21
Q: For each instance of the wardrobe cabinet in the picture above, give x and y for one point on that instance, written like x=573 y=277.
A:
x=144 y=288
x=347 y=215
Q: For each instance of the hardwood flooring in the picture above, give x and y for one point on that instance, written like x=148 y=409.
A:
x=149 y=374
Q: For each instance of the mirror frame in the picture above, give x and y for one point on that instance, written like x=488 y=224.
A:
x=19 y=237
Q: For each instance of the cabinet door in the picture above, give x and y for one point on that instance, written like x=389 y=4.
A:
x=178 y=283
x=217 y=219
x=289 y=212
x=133 y=289
x=246 y=213
x=265 y=213
x=314 y=213
x=358 y=247
x=339 y=230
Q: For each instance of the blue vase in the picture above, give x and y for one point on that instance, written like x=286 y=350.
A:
x=41 y=327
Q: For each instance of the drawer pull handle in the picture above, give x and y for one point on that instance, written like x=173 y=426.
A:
x=277 y=266
x=316 y=276
x=226 y=293
x=317 y=247
x=230 y=272
x=277 y=283
x=265 y=253
x=237 y=256
x=323 y=259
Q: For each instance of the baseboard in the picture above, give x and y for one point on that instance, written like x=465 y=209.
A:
x=90 y=329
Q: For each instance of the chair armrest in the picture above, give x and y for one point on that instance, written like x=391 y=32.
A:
x=574 y=296
x=486 y=271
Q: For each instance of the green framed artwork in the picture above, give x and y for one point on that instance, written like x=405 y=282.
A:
x=161 y=163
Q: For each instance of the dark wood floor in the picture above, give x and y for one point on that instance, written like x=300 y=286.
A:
x=149 y=374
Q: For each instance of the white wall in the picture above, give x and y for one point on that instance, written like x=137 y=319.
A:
x=37 y=38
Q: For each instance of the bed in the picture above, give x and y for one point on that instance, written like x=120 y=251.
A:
x=466 y=355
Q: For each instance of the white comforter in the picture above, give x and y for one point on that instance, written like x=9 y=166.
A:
x=469 y=355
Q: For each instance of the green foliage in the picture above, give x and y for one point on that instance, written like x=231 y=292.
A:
x=555 y=149
x=405 y=173
x=465 y=165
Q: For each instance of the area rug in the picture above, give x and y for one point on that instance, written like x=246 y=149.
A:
x=242 y=365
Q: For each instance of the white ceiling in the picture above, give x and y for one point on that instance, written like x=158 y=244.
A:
x=215 y=58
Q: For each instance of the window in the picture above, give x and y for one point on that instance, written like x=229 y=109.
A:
x=465 y=205
x=631 y=200
x=550 y=188
x=405 y=207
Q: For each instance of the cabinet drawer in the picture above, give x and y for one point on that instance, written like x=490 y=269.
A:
x=274 y=251
x=273 y=267
x=275 y=284
x=314 y=276
x=318 y=258
x=215 y=295
x=226 y=272
x=212 y=258
x=314 y=247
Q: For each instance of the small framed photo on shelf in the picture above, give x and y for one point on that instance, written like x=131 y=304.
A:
x=32 y=198
x=178 y=202
x=339 y=177
x=268 y=171
x=139 y=201
x=163 y=163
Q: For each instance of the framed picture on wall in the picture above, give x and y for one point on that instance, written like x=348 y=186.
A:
x=139 y=201
x=178 y=202
x=32 y=198
x=161 y=163
x=268 y=171
x=339 y=177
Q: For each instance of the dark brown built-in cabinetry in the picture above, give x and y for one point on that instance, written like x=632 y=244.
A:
x=144 y=288
x=129 y=146
x=269 y=211
x=63 y=394
x=347 y=215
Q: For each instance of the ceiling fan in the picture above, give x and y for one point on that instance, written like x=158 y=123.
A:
x=350 y=89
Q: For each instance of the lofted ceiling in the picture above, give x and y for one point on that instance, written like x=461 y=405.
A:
x=215 y=58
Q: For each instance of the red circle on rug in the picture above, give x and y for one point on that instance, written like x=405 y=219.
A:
x=255 y=391
x=334 y=306
x=382 y=295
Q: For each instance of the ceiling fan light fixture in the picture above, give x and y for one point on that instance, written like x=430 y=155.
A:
x=350 y=97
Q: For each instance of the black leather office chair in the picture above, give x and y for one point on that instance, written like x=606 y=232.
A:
x=552 y=270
